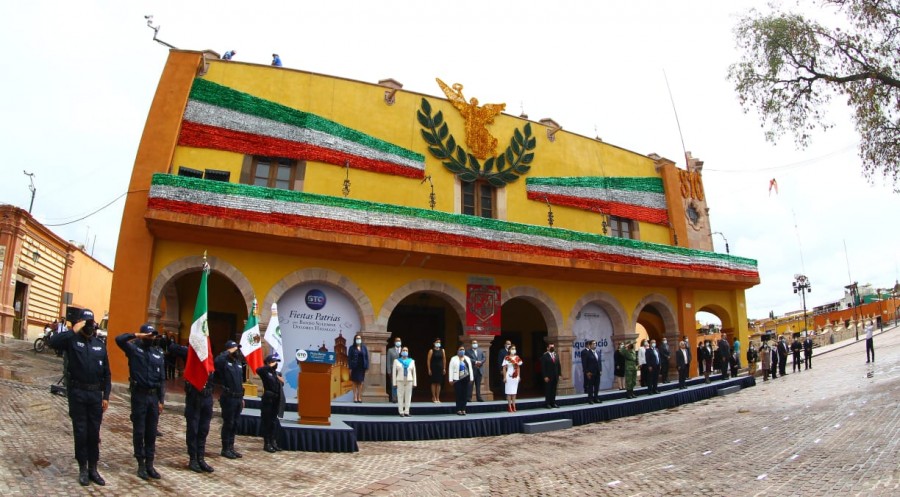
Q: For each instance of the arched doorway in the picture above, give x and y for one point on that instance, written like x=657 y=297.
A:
x=713 y=320
x=418 y=319
x=524 y=326
x=227 y=310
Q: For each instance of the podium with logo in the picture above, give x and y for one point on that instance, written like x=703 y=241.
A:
x=314 y=387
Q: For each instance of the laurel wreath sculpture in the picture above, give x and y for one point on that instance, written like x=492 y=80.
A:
x=498 y=171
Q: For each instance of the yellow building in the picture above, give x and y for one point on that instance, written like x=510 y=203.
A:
x=363 y=208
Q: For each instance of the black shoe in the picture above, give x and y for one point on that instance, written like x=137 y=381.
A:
x=277 y=447
x=151 y=471
x=83 y=478
x=194 y=465
x=590 y=401
x=480 y=400
x=201 y=461
x=555 y=406
x=269 y=448
x=142 y=470
x=228 y=454
x=95 y=476
x=236 y=453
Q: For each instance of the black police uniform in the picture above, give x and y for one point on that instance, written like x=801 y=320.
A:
x=88 y=385
x=197 y=415
x=230 y=374
x=271 y=400
x=146 y=369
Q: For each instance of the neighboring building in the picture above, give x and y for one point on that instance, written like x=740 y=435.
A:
x=365 y=208
x=42 y=275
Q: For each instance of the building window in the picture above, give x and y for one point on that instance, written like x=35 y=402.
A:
x=274 y=172
x=189 y=172
x=620 y=227
x=217 y=175
x=479 y=199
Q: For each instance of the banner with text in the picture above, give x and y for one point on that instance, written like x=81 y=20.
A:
x=593 y=323
x=314 y=316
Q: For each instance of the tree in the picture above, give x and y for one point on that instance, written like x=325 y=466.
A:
x=792 y=66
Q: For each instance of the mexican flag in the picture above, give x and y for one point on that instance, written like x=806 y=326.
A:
x=199 y=363
x=251 y=343
x=273 y=336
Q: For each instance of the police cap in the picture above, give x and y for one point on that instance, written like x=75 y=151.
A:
x=149 y=329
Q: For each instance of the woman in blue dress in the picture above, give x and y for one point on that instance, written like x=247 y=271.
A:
x=358 y=360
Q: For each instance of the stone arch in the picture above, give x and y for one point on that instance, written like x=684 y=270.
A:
x=454 y=297
x=609 y=303
x=544 y=304
x=661 y=304
x=163 y=288
x=721 y=313
x=320 y=275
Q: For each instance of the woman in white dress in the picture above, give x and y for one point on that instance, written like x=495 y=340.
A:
x=512 y=367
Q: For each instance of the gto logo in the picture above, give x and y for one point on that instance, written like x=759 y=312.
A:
x=315 y=299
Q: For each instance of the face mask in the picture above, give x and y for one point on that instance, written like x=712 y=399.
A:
x=358 y=341
x=437 y=345
x=653 y=346
x=512 y=351
x=664 y=342
x=397 y=344
x=404 y=354
x=552 y=349
x=475 y=346
x=460 y=353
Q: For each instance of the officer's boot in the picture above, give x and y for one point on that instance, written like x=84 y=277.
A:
x=267 y=446
x=142 y=469
x=151 y=471
x=227 y=452
x=201 y=459
x=83 y=478
x=236 y=453
x=94 y=475
x=194 y=465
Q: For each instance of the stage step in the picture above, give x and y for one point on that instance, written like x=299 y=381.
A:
x=545 y=426
x=728 y=390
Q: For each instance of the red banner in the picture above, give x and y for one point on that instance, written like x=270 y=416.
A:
x=482 y=310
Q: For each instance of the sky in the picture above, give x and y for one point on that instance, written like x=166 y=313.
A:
x=79 y=78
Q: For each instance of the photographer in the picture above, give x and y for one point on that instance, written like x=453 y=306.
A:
x=88 y=386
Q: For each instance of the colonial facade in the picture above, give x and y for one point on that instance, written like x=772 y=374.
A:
x=41 y=275
x=363 y=208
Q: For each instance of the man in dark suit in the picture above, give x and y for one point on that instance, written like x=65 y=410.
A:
x=504 y=351
x=702 y=364
x=664 y=361
x=682 y=363
x=723 y=354
x=476 y=356
x=782 y=357
x=652 y=359
x=807 y=352
x=687 y=347
x=774 y=360
x=591 y=367
x=551 y=372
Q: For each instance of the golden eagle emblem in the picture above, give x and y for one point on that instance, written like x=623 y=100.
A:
x=481 y=143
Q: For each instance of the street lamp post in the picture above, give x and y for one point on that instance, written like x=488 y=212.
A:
x=727 y=250
x=802 y=286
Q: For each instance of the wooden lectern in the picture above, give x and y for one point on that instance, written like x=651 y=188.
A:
x=314 y=387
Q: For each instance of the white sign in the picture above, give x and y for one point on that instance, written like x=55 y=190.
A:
x=313 y=316
x=593 y=323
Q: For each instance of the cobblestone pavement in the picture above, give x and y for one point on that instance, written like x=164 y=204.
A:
x=830 y=430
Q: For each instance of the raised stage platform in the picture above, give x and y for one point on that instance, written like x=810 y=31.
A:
x=352 y=423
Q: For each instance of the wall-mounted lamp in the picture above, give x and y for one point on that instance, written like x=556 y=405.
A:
x=432 y=198
x=552 y=128
x=549 y=213
x=392 y=86
x=346 y=189
x=727 y=250
x=35 y=256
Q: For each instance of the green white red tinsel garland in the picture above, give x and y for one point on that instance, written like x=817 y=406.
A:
x=642 y=199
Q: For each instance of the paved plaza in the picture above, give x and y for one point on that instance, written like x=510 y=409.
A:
x=831 y=430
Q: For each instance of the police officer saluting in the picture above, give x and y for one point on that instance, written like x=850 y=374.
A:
x=271 y=399
x=88 y=386
x=146 y=370
x=230 y=373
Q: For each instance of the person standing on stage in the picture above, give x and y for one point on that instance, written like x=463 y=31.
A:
x=478 y=358
x=512 y=373
x=642 y=361
x=460 y=375
x=146 y=373
x=273 y=390
x=706 y=357
x=230 y=374
x=358 y=360
x=619 y=366
x=682 y=363
x=591 y=368
x=630 y=360
x=551 y=371
x=437 y=368
x=198 y=410
x=88 y=383
x=404 y=378
x=393 y=354
x=664 y=354
x=653 y=359
x=723 y=356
